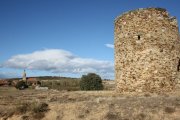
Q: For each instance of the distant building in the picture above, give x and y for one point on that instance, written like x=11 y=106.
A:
x=4 y=83
x=33 y=81
x=24 y=76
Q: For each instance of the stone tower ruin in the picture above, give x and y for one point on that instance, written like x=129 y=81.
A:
x=147 y=51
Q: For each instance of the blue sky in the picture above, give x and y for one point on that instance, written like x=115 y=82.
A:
x=63 y=37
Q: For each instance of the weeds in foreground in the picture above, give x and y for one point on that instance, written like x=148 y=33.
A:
x=112 y=116
x=34 y=109
x=169 y=109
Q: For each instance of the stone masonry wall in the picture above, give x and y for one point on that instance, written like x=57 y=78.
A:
x=147 y=51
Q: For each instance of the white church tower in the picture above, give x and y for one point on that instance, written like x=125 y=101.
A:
x=24 y=76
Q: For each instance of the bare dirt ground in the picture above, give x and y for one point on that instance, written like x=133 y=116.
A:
x=92 y=105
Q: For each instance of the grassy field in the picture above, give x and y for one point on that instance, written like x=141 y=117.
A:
x=72 y=84
x=87 y=105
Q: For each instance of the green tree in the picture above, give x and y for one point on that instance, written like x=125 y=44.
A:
x=21 y=85
x=91 y=81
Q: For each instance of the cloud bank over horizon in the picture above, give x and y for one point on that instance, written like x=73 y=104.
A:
x=8 y=75
x=60 y=61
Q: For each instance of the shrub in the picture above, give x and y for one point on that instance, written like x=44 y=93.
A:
x=112 y=116
x=41 y=107
x=169 y=109
x=37 y=109
x=38 y=83
x=21 y=85
x=23 y=108
x=91 y=81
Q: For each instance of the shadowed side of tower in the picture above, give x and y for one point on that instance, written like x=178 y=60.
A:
x=147 y=51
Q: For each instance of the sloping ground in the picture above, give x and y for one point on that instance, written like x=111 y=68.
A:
x=95 y=105
x=109 y=106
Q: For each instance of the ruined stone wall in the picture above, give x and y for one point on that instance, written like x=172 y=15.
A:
x=147 y=51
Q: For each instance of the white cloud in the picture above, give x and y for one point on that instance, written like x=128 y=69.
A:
x=59 y=61
x=109 y=45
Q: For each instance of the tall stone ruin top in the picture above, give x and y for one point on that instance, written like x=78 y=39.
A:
x=147 y=51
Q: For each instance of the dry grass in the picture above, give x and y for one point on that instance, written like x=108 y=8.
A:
x=111 y=116
x=36 y=110
x=18 y=105
x=169 y=109
x=91 y=105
